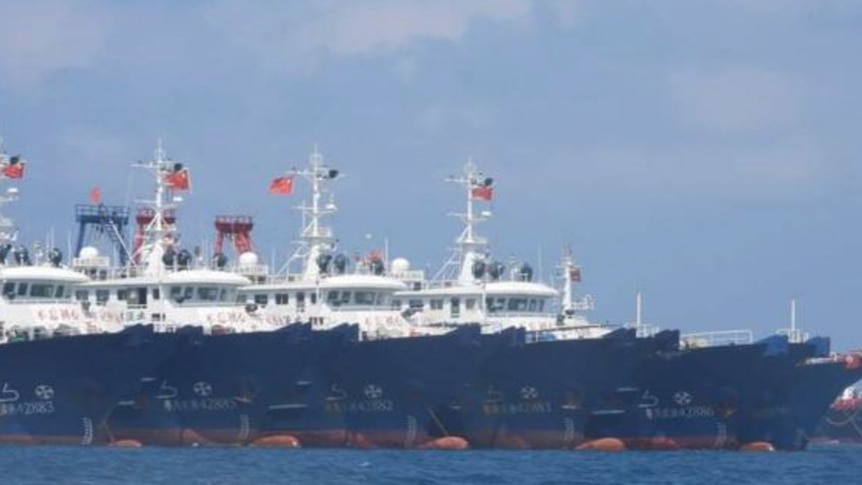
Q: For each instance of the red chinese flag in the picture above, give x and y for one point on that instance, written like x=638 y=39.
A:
x=96 y=195
x=14 y=169
x=178 y=180
x=281 y=185
x=575 y=274
x=483 y=192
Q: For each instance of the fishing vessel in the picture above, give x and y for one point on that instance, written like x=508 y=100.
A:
x=545 y=391
x=722 y=390
x=239 y=366
x=388 y=388
x=61 y=371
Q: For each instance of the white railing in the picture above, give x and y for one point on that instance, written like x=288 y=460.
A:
x=717 y=338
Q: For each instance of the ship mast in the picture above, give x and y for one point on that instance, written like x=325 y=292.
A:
x=469 y=246
x=316 y=238
x=571 y=274
x=159 y=233
x=8 y=231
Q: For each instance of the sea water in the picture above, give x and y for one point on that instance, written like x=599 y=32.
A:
x=47 y=464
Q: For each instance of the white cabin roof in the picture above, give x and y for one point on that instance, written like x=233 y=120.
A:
x=345 y=281
x=41 y=273
x=189 y=277
x=496 y=288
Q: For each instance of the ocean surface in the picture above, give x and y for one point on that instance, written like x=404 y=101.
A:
x=42 y=465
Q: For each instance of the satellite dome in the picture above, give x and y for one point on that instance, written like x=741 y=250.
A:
x=400 y=265
x=88 y=252
x=248 y=259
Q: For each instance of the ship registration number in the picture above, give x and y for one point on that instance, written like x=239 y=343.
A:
x=28 y=408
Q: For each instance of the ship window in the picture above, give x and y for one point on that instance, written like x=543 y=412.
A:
x=396 y=304
x=82 y=295
x=300 y=301
x=188 y=293
x=8 y=289
x=176 y=293
x=436 y=304
x=517 y=304
x=38 y=290
x=313 y=298
x=207 y=293
x=345 y=297
x=495 y=304
x=470 y=304
x=332 y=298
x=281 y=299
x=533 y=305
x=222 y=295
x=102 y=296
x=382 y=298
x=122 y=295
x=156 y=294
x=261 y=299
x=22 y=289
x=455 y=307
x=416 y=304
x=541 y=305
x=364 y=297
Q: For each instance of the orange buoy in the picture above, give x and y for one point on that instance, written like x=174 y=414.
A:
x=278 y=441
x=126 y=444
x=446 y=443
x=603 y=444
x=757 y=446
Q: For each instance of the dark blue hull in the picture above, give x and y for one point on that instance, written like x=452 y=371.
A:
x=732 y=396
x=225 y=389
x=62 y=390
x=547 y=394
x=399 y=393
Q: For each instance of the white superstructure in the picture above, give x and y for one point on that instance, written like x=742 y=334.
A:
x=473 y=287
x=35 y=288
x=164 y=284
x=320 y=283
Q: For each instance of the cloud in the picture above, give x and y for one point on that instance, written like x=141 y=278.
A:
x=386 y=26
x=291 y=37
x=734 y=99
x=39 y=38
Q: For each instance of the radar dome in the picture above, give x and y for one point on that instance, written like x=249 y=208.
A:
x=248 y=259
x=400 y=265
x=89 y=252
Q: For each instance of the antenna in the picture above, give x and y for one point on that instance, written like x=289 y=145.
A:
x=315 y=238
x=469 y=246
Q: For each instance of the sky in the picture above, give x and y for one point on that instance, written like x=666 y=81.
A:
x=705 y=153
